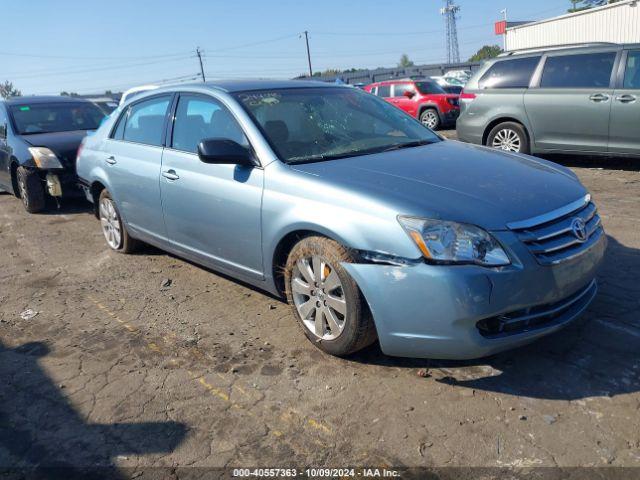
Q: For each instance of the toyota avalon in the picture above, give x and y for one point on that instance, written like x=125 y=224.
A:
x=368 y=223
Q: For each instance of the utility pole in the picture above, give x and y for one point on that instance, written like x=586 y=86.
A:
x=199 y=54
x=306 y=39
x=504 y=35
x=449 y=11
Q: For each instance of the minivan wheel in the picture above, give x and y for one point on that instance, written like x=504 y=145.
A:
x=510 y=137
x=30 y=190
x=430 y=118
x=113 y=229
x=326 y=301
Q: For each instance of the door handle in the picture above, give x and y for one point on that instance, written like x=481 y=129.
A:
x=599 y=97
x=170 y=174
x=626 y=98
x=111 y=160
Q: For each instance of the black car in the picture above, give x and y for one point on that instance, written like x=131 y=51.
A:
x=39 y=140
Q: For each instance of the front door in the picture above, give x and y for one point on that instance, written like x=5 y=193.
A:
x=212 y=212
x=404 y=103
x=570 y=108
x=624 y=133
x=5 y=173
x=133 y=166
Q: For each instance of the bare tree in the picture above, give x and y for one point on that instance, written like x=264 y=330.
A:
x=7 y=90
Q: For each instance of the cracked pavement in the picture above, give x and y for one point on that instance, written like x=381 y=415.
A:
x=118 y=370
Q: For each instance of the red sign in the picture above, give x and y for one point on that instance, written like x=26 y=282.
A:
x=501 y=27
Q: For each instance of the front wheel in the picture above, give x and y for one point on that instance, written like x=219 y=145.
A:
x=510 y=137
x=326 y=301
x=30 y=190
x=115 y=233
x=430 y=118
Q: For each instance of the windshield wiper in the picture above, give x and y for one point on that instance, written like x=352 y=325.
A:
x=399 y=146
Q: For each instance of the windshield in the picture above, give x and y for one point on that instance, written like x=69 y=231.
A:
x=55 y=117
x=313 y=124
x=429 y=88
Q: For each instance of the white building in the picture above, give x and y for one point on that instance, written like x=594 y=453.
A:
x=617 y=22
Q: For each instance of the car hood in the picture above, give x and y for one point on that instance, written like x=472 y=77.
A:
x=455 y=181
x=63 y=144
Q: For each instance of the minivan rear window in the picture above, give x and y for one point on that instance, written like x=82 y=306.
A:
x=578 y=71
x=514 y=73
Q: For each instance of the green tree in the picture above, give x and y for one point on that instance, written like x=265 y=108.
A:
x=7 y=90
x=488 y=51
x=405 y=61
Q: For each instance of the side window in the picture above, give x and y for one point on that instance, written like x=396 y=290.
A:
x=591 y=70
x=384 y=91
x=145 y=121
x=632 y=72
x=400 y=88
x=199 y=117
x=515 y=73
x=118 y=133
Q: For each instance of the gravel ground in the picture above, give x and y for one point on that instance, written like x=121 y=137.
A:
x=148 y=360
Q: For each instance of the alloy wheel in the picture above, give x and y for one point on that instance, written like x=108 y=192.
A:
x=319 y=297
x=430 y=119
x=22 y=186
x=507 y=140
x=110 y=223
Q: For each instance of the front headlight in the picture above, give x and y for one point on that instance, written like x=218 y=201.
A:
x=44 y=158
x=451 y=242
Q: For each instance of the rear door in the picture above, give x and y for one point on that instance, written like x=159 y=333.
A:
x=132 y=163
x=569 y=107
x=624 y=132
x=212 y=212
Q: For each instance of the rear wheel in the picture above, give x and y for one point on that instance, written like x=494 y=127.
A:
x=430 y=118
x=326 y=301
x=30 y=190
x=115 y=233
x=510 y=137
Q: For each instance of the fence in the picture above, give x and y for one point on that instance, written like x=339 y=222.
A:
x=380 y=74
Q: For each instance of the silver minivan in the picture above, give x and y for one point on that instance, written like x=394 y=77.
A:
x=581 y=99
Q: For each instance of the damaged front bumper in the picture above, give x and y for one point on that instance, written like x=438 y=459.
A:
x=467 y=311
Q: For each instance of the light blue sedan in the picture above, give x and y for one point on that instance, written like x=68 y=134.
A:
x=371 y=225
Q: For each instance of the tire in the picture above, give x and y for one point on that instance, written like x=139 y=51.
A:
x=430 y=118
x=344 y=329
x=30 y=190
x=510 y=137
x=114 y=231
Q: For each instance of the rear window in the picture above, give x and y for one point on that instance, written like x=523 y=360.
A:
x=578 y=71
x=55 y=117
x=632 y=73
x=429 y=88
x=515 y=73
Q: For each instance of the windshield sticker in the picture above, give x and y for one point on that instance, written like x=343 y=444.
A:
x=262 y=98
x=25 y=109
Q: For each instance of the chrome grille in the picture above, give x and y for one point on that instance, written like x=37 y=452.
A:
x=551 y=239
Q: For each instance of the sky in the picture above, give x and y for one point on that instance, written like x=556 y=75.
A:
x=86 y=46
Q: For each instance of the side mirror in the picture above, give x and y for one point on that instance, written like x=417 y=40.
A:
x=409 y=93
x=224 y=151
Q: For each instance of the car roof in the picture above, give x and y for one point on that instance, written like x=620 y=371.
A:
x=232 y=86
x=44 y=99
x=566 y=48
